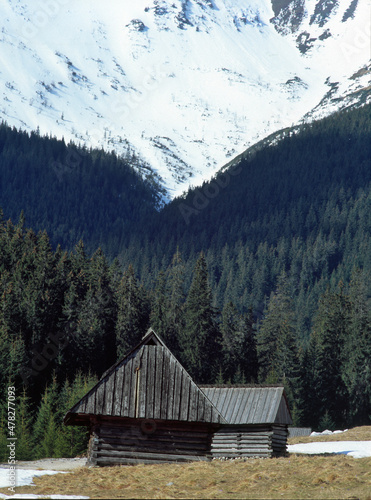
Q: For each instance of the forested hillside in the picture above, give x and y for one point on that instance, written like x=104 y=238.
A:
x=260 y=276
x=301 y=206
x=72 y=192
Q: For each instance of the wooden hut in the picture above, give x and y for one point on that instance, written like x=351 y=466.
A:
x=145 y=409
x=257 y=421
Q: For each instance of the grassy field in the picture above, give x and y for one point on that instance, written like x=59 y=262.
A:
x=356 y=434
x=293 y=477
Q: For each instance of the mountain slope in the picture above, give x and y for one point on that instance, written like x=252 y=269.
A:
x=71 y=192
x=179 y=87
x=301 y=206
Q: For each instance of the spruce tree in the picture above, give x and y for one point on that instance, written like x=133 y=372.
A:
x=77 y=284
x=232 y=342
x=132 y=314
x=249 y=355
x=4 y=454
x=159 y=310
x=87 y=338
x=90 y=312
x=276 y=336
x=44 y=430
x=332 y=326
x=308 y=401
x=46 y=448
x=63 y=441
x=356 y=371
x=176 y=299
x=42 y=301
x=14 y=356
x=105 y=311
x=23 y=428
x=200 y=341
x=277 y=347
x=72 y=440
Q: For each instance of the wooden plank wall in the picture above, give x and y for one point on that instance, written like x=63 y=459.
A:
x=153 y=385
x=299 y=431
x=147 y=441
x=249 y=441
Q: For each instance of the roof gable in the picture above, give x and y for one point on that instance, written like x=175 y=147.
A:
x=149 y=383
x=250 y=405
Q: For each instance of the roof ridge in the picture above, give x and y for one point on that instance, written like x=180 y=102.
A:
x=150 y=332
x=241 y=386
x=146 y=340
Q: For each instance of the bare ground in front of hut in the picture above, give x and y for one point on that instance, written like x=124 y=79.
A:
x=64 y=464
x=292 y=477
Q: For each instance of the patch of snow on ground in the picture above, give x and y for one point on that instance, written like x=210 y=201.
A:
x=327 y=433
x=24 y=477
x=355 y=449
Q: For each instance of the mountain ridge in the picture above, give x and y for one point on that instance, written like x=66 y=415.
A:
x=179 y=88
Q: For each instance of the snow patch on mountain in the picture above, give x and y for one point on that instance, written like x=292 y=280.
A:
x=179 y=87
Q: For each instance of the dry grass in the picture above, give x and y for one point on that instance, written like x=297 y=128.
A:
x=297 y=476
x=355 y=434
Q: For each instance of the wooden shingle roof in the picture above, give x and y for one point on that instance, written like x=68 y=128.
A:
x=149 y=383
x=250 y=405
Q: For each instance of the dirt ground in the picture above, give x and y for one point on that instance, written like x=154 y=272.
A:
x=50 y=464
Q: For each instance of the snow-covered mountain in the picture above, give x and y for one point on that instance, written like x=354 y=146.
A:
x=179 y=86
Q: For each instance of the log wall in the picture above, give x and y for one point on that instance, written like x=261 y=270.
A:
x=148 y=441
x=132 y=441
x=249 y=441
x=279 y=440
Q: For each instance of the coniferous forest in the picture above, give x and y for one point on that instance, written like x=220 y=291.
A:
x=261 y=275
